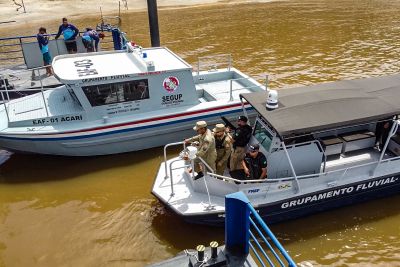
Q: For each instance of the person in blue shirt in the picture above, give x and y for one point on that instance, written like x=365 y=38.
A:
x=90 y=36
x=70 y=32
x=43 y=40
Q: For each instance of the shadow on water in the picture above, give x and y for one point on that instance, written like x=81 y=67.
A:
x=175 y=230
x=336 y=220
x=179 y=234
x=33 y=168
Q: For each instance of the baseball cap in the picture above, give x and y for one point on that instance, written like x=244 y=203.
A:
x=242 y=118
x=254 y=147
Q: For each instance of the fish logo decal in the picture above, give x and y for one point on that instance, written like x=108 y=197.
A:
x=170 y=84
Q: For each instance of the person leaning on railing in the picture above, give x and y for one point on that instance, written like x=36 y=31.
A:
x=206 y=147
x=90 y=36
x=70 y=32
x=43 y=40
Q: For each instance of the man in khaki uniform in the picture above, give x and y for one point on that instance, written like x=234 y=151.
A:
x=223 y=144
x=206 y=147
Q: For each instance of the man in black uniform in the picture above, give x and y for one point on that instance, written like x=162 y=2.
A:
x=255 y=164
x=240 y=139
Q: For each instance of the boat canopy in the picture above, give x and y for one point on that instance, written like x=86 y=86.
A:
x=320 y=107
x=77 y=68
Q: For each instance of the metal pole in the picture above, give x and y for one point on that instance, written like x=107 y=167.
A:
x=291 y=167
x=266 y=82
x=165 y=155
x=5 y=106
x=153 y=22
x=41 y=89
x=274 y=240
x=230 y=90
x=393 y=130
x=6 y=87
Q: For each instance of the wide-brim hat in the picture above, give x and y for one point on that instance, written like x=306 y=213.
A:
x=219 y=128
x=199 y=125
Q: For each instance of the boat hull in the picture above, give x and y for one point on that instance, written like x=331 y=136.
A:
x=113 y=140
x=280 y=211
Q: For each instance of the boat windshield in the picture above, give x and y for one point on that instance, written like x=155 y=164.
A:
x=263 y=136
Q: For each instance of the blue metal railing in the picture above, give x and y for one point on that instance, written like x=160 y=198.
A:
x=245 y=229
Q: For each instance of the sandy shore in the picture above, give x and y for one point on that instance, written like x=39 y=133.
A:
x=42 y=10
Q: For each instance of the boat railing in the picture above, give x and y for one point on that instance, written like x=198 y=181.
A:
x=7 y=89
x=231 y=82
x=11 y=48
x=213 y=61
x=170 y=176
x=245 y=227
x=338 y=174
x=207 y=171
x=184 y=157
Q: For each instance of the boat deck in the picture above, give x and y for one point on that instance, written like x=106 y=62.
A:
x=33 y=107
x=220 y=90
x=20 y=78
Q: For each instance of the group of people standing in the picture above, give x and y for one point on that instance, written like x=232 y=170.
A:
x=90 y=39
x=221 y=150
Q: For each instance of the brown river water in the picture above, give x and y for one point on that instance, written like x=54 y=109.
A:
x=98 y=211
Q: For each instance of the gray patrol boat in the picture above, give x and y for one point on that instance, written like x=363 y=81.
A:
x=320 y=144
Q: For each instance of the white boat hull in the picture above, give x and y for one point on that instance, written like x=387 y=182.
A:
x=109 y=141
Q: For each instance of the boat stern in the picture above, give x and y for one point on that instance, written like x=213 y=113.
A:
x=177 y=191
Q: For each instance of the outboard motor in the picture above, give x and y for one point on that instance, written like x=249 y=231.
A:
x=272 y=100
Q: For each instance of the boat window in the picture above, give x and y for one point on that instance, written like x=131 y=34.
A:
x=105 y=94
x=263 y=136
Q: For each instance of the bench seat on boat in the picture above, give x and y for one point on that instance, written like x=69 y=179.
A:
x=357 y=140
x=332 y=145
x=394 y=144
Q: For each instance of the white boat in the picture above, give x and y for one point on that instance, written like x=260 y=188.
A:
x=320 y=144
x=120 y=101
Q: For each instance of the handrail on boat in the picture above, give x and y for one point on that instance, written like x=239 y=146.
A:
x=7 y=90
x=210 y=206
x=302 y=177
x=296 y=179
x=165 y=154
x=228 y=56
x=18 y=41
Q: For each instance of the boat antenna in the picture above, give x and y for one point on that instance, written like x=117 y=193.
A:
x=153 y=23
